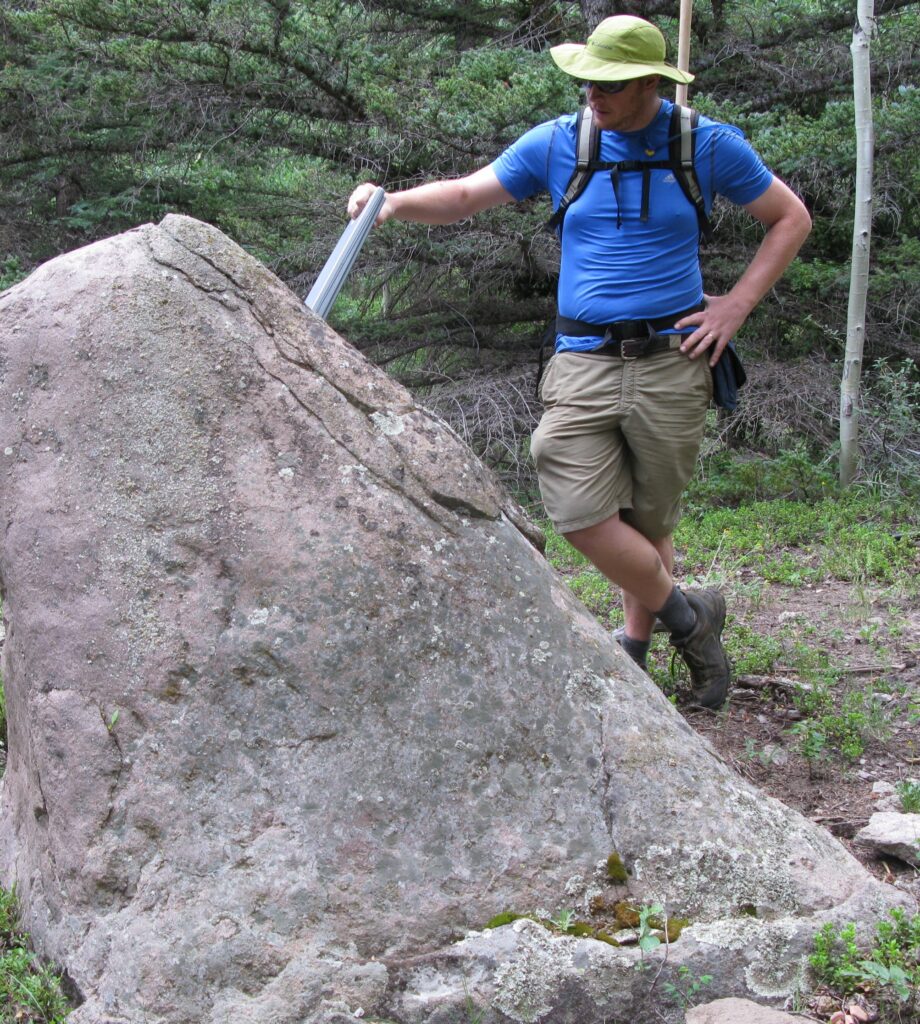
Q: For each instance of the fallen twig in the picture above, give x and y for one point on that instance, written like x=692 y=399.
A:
x=768 y=682
x=867 y=669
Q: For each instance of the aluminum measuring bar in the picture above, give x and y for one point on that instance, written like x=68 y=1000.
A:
x=331 y=278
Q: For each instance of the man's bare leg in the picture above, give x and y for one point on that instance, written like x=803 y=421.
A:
x=642 y=569
x=640 y=620
x=633 y=561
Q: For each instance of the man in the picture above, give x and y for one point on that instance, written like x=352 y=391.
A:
x=627 y=391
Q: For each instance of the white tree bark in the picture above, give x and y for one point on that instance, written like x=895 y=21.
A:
x=862 y=234
x=683 y=47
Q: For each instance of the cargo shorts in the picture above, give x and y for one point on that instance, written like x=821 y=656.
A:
x=620 y=435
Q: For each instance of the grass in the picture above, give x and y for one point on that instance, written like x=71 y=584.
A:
x=595 y=592
x=857 y=536
x=752 y=653
x=29 y=992
x=852 y=537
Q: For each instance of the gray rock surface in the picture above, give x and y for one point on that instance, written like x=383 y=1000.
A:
x=892 y=834
x=296 y=706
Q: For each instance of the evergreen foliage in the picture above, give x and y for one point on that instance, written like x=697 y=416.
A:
x=260 y=116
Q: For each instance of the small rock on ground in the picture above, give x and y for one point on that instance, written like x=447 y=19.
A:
x=893 y=835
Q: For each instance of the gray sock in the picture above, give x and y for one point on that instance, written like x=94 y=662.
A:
x=636 y=649
x=677 y=614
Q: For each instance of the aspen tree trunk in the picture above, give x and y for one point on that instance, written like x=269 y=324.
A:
x=683 y=47
x=862 y=233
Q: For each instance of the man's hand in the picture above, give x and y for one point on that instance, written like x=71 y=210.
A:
x=359 y=199
x=715 y=325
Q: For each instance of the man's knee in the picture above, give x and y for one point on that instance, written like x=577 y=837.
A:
x=586 y=535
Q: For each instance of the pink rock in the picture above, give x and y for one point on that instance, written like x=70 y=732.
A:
x=294 y=702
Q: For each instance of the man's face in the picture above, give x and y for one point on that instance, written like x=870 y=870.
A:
x=625 y=111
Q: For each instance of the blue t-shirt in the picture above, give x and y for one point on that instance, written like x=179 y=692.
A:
x=634 y=271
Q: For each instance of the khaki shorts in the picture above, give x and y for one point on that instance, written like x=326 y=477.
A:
x=620 y=435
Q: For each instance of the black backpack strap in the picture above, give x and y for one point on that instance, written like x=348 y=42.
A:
x=681 y=156
x=548 y=338
x=587 y=140
x=644 y=167
x=682 y=153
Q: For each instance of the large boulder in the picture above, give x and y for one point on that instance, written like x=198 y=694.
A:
x=296 y=705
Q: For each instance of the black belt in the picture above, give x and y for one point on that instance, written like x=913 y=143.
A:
x=634 y=348
x=642 y=337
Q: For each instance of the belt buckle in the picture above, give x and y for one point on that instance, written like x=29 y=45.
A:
x=633 y=348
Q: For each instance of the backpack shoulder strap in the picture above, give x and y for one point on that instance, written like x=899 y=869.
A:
x=587 y=143
x=682 y=156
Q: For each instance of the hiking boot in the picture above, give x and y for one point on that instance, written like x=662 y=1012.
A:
x=702 y=650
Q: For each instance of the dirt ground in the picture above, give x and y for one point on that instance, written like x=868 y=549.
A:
x=873 y=639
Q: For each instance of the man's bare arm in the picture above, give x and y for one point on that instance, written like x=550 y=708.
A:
x=440 y=202
x=788 y=224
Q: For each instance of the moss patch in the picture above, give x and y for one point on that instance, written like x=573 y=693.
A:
x=616 y=869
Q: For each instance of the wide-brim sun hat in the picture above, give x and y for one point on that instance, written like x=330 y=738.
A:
x=620 y=48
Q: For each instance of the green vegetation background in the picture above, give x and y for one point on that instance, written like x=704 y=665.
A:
x=260 y=116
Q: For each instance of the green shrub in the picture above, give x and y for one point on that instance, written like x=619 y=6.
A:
x=889 y=969
x=597 y=594
x=794 y=475
x=29 y=992
x=751 y=652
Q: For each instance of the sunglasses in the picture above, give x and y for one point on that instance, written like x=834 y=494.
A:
x=610 y=88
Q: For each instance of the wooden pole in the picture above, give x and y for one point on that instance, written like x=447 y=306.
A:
x=862 y=233
x=683 y=46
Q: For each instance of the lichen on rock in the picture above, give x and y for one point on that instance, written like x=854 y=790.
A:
x=526 y=985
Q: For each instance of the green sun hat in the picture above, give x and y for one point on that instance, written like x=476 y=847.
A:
x=619 y=48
